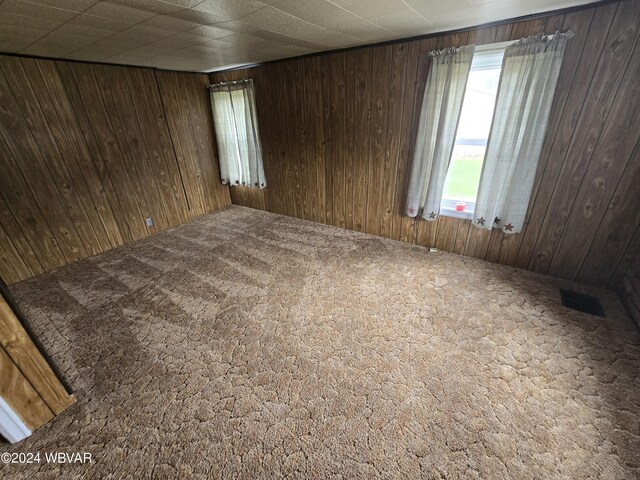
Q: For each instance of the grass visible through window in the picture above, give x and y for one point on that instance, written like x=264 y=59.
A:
x=464 y=176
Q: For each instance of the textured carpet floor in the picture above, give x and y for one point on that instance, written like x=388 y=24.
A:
x=251 y=345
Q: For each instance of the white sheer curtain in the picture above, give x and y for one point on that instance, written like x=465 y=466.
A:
x=237 y=135
x=439 y=116
x=528 y=81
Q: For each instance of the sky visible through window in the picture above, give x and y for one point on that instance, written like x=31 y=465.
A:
x=463 y=176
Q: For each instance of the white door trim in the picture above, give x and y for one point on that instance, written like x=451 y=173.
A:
x=11 y=426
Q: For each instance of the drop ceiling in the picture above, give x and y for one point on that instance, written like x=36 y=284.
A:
x=207 y=35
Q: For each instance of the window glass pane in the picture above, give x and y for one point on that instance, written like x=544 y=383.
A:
x=463 y=177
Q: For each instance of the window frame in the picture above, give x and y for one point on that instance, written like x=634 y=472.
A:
x=448 y=204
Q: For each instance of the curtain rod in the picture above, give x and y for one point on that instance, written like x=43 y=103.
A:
x=232 y=82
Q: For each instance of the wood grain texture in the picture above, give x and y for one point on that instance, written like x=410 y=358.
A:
x=583 y=215
x=25 y=355
x=629 y=289
x=16 y=390
x=87 y=152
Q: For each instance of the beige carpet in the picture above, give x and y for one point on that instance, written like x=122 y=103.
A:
x=252 y=345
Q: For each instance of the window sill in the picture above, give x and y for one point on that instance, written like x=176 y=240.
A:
x=448 y=209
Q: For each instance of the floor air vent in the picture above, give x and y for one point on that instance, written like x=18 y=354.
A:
x=581 y=302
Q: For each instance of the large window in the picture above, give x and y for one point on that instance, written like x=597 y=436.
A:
x=463 y=175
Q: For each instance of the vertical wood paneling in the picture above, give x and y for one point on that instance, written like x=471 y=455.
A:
x=24 y=221
x=629 y=289
x=10 y=259
x=347 y=160
x=25 y=159
x=586 y=178
x=339 y=139
x=609 y=160
x=362 y=108
x=93 y=155
x=186 y=105
x=106 y=129
x=397 y=85
x=128 y=154
x=309 y=141
x=615 y=234
x=294 y=139
x=87 y=152
x=75 y=150
x=583 y=137
x=322 y=135
x=378 y=136
x=157 y=141
x=327 y=88
x=32 y=96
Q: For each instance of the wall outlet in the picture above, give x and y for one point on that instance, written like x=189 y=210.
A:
x=148 y=222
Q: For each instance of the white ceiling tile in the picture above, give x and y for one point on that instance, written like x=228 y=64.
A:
x=317 y=35
x=73 y=5
x=119 y=12
x=170 y=22
x=211 y=34
x=85 y=31
x=129 y=58
x=201 y=18
x=268 y=17
x=151 y=33
x=183 y=3
x=236 y=26
x=229 y=9
x=96 y=52
x=63 y=38
x=346 y=22
x=372 y=8
x=100 y=22
x=18 y=7
x=448 y=21
x=404 y=22
x=153 y=49
x=126 y=39
x=14 y=38
x=155 y=6
x=243 y=39
x=48 y=49
x=308 y=9
x=28 y=22
x=180 y=40
x=431 y=9
x=12 y=43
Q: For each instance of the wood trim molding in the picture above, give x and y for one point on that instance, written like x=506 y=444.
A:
x=20 y=395
x=27 y=358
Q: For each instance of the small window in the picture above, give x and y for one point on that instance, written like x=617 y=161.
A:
x=465 y=167
x=237 y=136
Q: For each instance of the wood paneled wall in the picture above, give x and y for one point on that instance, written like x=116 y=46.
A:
x=629 y=289
x=88 y=151
x=337 y=132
